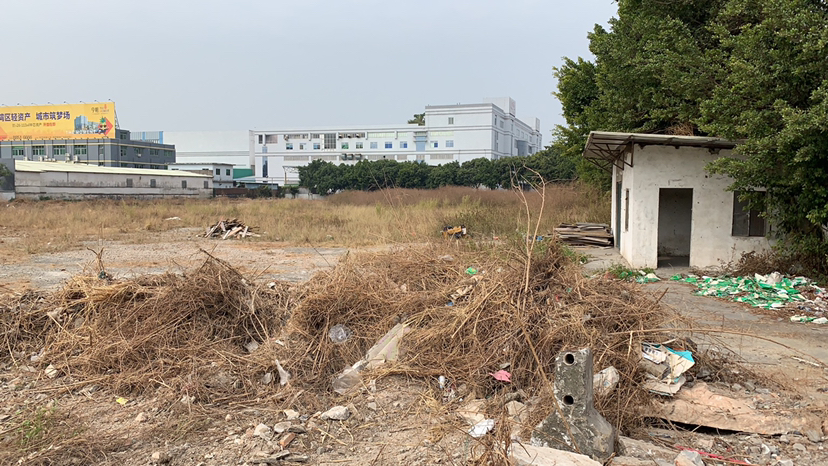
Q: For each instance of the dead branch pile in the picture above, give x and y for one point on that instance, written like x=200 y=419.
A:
x=226 y=229
x=464 y=327
x=184 y=332
x=585 y=234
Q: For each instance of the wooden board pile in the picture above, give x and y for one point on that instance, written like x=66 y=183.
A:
x=226 y=229
x=585 y=234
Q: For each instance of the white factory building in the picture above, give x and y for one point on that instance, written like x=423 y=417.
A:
x=460 y=132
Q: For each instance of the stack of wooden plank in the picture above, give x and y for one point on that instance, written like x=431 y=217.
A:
x=226 y=229
x=585 y=234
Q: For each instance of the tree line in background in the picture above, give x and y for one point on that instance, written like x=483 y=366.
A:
x=325 y=177
x=747 y=70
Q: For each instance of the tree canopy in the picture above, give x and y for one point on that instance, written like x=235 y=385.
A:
x=325 y=177
x=748 y=70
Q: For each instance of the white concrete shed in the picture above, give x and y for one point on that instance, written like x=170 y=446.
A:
x=668 y=210
x=62 y=180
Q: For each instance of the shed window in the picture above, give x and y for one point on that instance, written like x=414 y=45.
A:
x=746 y=222
x=129 y=182
x=206 y=185
x=184 y=184
x=152 y=182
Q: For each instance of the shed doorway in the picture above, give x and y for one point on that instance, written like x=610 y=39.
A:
x=675 y=220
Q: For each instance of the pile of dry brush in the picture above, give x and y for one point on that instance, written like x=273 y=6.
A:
x=186 y=334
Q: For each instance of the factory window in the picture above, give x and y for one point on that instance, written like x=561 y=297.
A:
x=389 y=145
x=403 y=145
x=746 y=222
x=153 y=151
x=152 y=182
x=18 y=150
x=218 y=171
x=184 y=184
x=123 y=151
x=434 y=144
x=261 y=139
x=451 y=120
x=271 y=138
x=316 y=136
x=80 y=150
x=206 y=184
x=317 y=146
x=129 y=182
x=169 y=153
x=58 y=150
x=358 y=145
x=139 y=151
x=344 y=145
x=373 y=145
x=301 y=146
x=38 y=150
x=228 y=172
x=288 y=146
x=449 y=143
x=330 y=140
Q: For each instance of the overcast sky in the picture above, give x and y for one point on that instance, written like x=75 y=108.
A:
x=186 y=65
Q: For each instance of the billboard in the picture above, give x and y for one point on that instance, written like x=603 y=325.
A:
x=67 y=121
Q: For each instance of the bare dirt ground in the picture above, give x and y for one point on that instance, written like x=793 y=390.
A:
x=397 y=421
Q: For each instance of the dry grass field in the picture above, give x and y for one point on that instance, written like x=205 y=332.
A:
x=346 y=219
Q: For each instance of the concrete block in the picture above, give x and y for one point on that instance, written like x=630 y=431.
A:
x=576 y=426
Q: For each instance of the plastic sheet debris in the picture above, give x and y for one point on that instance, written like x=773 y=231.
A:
x=339 y=334
x=605 y=381
x=665 y=368
x=772 y=291
x=386 y=349
x=502 y=375
x=121 y=400
x=482 y=428
x=471 y=271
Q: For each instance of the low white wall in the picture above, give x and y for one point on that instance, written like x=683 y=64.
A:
x=68 y=185
x=657 y=167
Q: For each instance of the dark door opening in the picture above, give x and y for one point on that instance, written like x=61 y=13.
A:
x=675 y=219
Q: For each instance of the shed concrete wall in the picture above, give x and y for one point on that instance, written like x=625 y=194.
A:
x=65 y=185
x=655 y=167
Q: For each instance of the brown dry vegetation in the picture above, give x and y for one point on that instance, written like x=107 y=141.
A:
x=350 y=218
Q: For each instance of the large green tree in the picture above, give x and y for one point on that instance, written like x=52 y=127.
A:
x=749 y=70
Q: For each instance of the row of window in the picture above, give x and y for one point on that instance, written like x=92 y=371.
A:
x=81 y=150
x=129 y=183
x=373 y=145
x=218 y=171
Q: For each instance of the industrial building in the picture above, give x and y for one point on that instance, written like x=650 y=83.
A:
x=668 y=210
x=222 y=173
x=81 y=133
x=200 y=147
x=61 y=180
x=451 y=133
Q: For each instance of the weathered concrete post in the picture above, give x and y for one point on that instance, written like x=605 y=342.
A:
x=577 y=426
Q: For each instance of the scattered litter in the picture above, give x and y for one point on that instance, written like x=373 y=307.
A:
x=173 y=218
x=482 y=428
x=665 y=368
x=471 y=271
x=337 y=413
x=502 y=376
x=339 y=334
x=121 y=400
x=605 y=381
x=455 y=232
x=772 y=291
x=226 y=229
x=813 y=320
x=51 y=371
x=284 y=376
x=585 y=234
x=385 y=350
